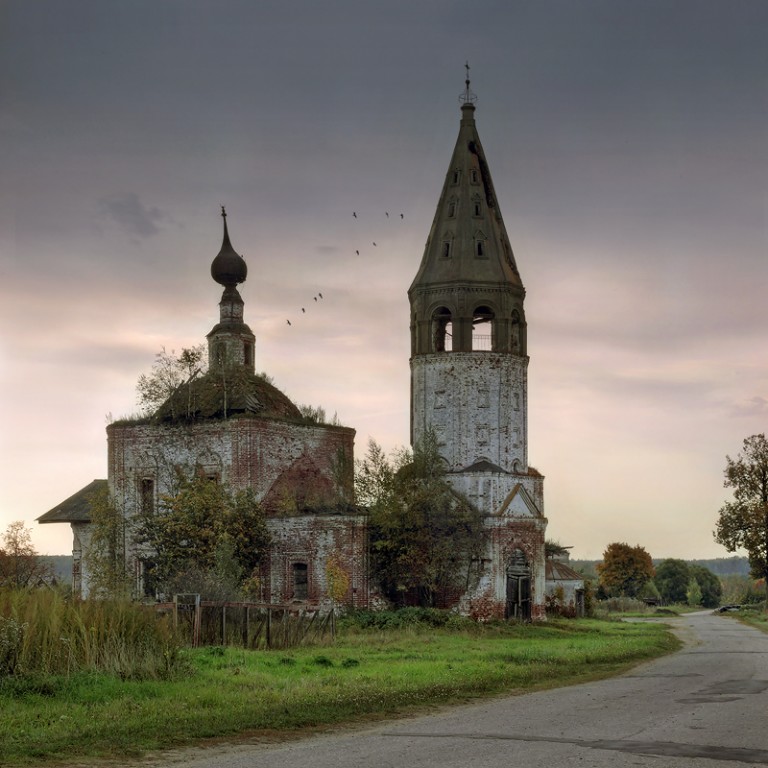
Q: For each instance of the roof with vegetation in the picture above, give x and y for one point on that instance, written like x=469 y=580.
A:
x=224 y=392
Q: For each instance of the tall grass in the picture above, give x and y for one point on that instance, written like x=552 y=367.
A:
x=43 y=633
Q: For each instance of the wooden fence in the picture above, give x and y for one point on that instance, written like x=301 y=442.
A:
x=248 y=625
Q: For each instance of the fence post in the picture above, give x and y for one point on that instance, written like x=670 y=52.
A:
x=197 y=623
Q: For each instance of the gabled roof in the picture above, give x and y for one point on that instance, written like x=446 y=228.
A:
x=75 y=509
x=519 y=504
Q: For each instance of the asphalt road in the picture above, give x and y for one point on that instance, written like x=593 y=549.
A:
x=706 y=705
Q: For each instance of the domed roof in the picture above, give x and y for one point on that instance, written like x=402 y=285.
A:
x=229 y=267
x=226 y=392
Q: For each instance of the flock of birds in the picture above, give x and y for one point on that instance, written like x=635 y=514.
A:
x=319 y=296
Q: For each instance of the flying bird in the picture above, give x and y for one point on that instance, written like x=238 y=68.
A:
x=357 y=252
x=315 y=298
x=354 y=213
x=374 y=243
x=288 y=321
x=401 y=215
x=320 y=295
x=386 y=213
x=303 y=310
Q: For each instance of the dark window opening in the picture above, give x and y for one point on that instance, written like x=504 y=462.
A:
x=515 y=341
x=456 y=176
x=147 y=496
x=148 y=585
x=477 y=209
x=300 y=581
x=451 y=210
x=479 y=247
x=248 y=353
x=446 y=250
x=473 y=176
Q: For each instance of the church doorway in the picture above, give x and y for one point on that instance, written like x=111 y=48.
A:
x=518 y=587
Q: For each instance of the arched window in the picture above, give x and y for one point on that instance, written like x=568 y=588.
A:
x=480 y=241
x=442 y=330
x=482 y=329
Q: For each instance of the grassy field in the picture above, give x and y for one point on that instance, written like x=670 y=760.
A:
x=366 y=674
x=756 y=616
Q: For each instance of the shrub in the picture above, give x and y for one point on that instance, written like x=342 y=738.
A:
x=404 y=618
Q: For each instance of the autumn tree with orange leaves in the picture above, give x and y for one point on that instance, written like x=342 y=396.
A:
x=625 y=570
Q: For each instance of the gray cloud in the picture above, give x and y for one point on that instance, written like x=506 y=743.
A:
x=756 y=406
x=131 y=214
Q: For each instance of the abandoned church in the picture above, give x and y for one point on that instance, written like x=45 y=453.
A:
x=469 y=361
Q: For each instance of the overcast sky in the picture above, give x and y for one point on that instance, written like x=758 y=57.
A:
x=628 y=144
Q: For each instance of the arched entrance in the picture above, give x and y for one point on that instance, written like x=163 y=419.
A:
x=518 y=587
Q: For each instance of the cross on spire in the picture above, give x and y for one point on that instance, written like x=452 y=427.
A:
x=467 y=97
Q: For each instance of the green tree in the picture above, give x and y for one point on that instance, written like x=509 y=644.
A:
x=672 y=577
x=105 y=553
x=337 y=578
x=711 y=588
x=554 y=549
x=624 y=570
x=20 y=565
x=205 y=537
x=743 y=522
x=424 y=536
x=169 y=372
x=693 y=593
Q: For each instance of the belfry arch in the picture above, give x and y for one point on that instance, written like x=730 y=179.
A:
x=483 y=329
x=442 y=330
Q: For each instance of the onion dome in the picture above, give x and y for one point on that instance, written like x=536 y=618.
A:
x=229 y=267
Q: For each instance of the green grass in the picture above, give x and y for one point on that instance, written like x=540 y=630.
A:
x=366 y=674
x=755 y=616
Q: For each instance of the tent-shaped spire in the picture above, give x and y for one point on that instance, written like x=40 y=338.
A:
x=468 y=242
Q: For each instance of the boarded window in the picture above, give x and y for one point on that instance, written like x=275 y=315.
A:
x=300 y=581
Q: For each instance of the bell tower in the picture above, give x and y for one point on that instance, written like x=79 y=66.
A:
x=469 y=361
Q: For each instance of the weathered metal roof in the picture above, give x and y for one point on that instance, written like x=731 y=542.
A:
x=558 y=571
x=75 y=509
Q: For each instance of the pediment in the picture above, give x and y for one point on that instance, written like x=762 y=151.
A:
x=519 y=505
